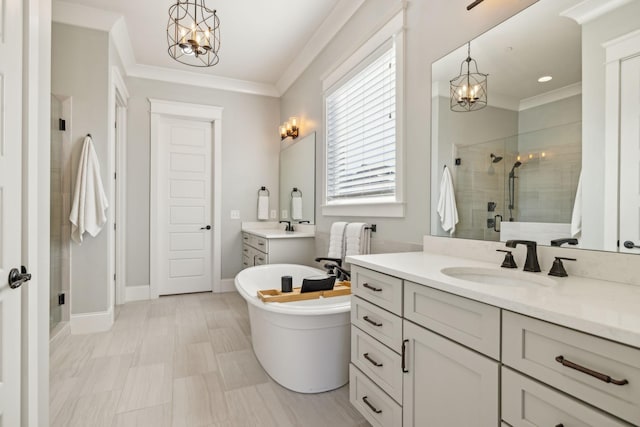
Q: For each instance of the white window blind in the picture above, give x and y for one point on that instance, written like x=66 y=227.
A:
x=361 y=132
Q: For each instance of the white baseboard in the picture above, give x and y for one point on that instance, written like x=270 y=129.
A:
x=227 y=285
x=136 y=293
x=88 y=323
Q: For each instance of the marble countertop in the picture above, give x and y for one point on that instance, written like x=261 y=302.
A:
x=607 y=309
x=274 y=233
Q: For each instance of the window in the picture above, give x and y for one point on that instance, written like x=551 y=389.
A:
x=363 y=129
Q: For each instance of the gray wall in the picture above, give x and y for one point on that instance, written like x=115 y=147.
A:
x=82 y=73
x=429 y=36
x=250 y=149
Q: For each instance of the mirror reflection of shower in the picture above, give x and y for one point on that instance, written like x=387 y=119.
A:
x=495 y=159
x=512 y=188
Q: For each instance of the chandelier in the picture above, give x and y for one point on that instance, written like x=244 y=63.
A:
x=193 y=33
x=468 y=89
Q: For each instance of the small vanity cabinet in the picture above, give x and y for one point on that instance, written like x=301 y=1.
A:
x=267 y=246
x=425 y=357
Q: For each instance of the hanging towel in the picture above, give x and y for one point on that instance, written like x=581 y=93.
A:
x=336 y=240
x=356 y=239
x=263 y=207
x=90 y=203
x=576 y=217
x=296 y=208
x=447 y=209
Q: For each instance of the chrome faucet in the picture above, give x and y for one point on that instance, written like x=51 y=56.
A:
x=531 y=263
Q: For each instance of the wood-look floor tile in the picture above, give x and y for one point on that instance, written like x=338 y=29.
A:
x=160 y=325
x=247 y=407
x=213 y=302
x=145 y=386
x=154 y=416
x=162 y=309
x=220 y=319
x=155 y=349
x=191 y=402
x=191 y=334
x=61 y=392
x=240 y=369
x=225 y=340
x=193 y=359
x=123 y=341
x=95 y=410
x=104 y=374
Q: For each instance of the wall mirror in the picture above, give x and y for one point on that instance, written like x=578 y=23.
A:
x=555 y=152
x=297 y=179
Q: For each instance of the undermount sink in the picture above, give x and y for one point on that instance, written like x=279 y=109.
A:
x=489 y=276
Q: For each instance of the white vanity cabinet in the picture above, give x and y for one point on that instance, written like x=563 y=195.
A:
x=277 y=247
x=422 y=357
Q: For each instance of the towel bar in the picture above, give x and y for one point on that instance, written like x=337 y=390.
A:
x=296 y=192
x=263 y=188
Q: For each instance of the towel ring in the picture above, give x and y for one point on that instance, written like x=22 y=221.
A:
x=263 y=189
x=295 y=192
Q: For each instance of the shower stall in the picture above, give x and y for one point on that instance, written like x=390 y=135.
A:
x=60 y=230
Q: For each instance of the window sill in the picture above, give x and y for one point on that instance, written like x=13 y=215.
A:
x=389 y=209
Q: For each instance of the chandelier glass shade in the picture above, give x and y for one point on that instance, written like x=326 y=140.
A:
x=469 y=88
x=193 y=33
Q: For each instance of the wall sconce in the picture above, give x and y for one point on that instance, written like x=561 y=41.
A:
x=289 y=129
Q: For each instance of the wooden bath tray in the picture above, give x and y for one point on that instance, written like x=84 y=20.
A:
x=276 y=295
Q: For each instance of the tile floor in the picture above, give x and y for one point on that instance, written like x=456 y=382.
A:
x=179 y=361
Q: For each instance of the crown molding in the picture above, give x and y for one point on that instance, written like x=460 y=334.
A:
x=83 y=16
x=172 y=75
x=551 y=96
x=339 y=16
x=115 y=25
x=589 y=10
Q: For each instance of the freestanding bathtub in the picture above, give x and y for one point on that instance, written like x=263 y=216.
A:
x=303 y=345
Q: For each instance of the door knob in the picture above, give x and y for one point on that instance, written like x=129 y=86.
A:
x=18 y=277
x=630 y=245
x=208 y=227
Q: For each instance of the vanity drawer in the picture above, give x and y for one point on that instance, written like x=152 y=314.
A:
x=382 y=290
x=246 y=261
x=471 y=323
x=261 y=244
x=260 y=258
x=376 y=406
x=527 y=403
x=380 y=324
x=378 y=362
x=534 y=347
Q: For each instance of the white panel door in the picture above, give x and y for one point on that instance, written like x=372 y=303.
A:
x=184 y=211
x=10 y=203
x=630 y=153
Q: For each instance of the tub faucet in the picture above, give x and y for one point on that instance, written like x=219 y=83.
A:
x=531 y=263
x=560 y=242
x=289 y=227
x=340 y=273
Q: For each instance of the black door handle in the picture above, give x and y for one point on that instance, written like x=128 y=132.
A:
x=630 y=245
x=18 y=277
x=208 y=227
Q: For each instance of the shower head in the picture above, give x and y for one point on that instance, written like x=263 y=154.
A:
x=515 y=165
x=495 y=159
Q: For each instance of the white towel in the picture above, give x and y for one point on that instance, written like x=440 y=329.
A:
x=356 y=239
x=90 y=203
x=447 y=203
x=336 y=240
x=296 y=208
x=576 y=217
x=263 y=207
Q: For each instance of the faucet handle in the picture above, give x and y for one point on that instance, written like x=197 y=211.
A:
x=557 y=269
x=508 y=262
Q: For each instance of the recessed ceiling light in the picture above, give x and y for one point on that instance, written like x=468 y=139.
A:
x=545 y=79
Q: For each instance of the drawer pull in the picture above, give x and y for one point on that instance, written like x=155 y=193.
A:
x=373 y=288
x=373 y=322
x=246 y=250
x=560 y=425
x=261 y=259
x=404 y=353
x=373 y=362
x=373 y=408
x=598 y=375
x=261 y=243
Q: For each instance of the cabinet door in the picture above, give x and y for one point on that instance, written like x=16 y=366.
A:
x=447 y=384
